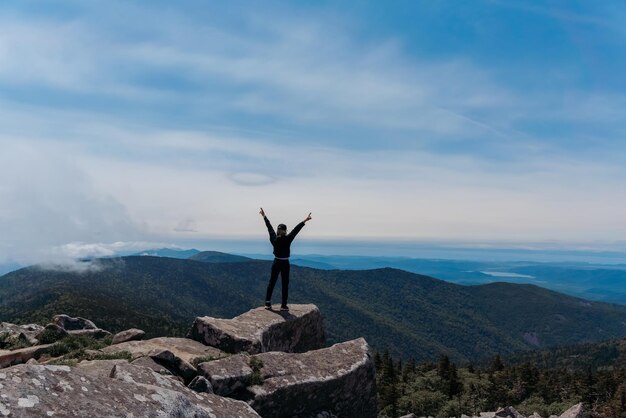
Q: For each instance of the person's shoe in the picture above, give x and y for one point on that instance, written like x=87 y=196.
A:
x=284 y=308
x=268 y=305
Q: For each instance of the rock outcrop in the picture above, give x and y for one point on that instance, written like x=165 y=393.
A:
x=39 y=391
x=176 y=354
x=260 y=330
x=26 y=334
x=79 y=326
x=275 y=383
x=261 y=363
x=73 y=324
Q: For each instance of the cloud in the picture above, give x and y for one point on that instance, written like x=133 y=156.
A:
x=81 y=250
x=50 y=201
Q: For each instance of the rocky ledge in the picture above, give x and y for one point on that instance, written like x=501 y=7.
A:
x=262 y=363
x=260 y=330
x=275 y=383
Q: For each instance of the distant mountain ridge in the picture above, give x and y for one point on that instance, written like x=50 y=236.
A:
x=408 y=314
x=218 y=257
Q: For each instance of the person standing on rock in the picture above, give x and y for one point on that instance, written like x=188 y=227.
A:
x=281 y=241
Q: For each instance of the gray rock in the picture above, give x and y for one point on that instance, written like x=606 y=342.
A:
x=229 y=375
x=38 y=390
x=339 y=380
x=72 y=324
x=200 y=384
x=22 y=355
x=176 y=354
x=414 y=416
x=151 y=364
x=132 y=334
x=27 y=334
x=535 y=415
x=576 y=411
x=508 y=412
x=51 y=333
x=260 y=330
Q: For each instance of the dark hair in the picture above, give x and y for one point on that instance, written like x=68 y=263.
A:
x=282 y=226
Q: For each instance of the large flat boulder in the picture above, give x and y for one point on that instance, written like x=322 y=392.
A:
x=260 y=330
x=61 y=391
x=179 y=355
x=336 y=381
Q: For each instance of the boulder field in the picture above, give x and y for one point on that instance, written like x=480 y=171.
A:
x=262 y=363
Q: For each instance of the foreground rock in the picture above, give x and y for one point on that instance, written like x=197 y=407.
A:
x=178 y=355
x=132 y=391
x=260 y=330
x=336 y=381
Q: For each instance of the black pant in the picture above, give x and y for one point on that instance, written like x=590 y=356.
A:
x=282 y=267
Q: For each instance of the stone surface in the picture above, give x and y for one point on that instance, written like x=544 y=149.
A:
x=22 y=355
x=24 y=333
x=52 y=332
x=38 y=390
x=338 y=380
x=576 y=411
x=176 y=354
x=132 y=334
x=508 y=412
x=151 y=364
x=72 y=324
x=229 y=375
x=200 y=384
x=260 y=330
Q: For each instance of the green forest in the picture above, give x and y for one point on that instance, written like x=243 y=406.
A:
x=443 y=389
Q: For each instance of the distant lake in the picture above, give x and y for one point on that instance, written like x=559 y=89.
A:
x=507 y=274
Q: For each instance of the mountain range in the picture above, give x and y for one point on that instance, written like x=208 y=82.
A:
x=407 y=314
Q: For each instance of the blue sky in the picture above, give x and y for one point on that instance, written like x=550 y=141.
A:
x=130 y=124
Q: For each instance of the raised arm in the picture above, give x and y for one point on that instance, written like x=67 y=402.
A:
x=297 y=229
x=270 y=228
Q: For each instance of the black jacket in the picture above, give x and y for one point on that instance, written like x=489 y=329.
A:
x=282 y=244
